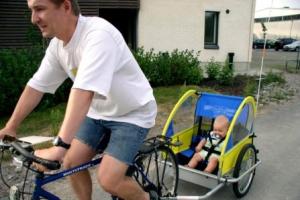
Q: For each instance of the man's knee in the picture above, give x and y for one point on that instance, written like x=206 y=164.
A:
x=106 y=184
x=78 y=154
x=71 y=161
x=109 y=183
x=110 y=177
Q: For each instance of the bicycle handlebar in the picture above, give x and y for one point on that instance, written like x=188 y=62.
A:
x=25 y=150
x=49 y=164
x=54 y=165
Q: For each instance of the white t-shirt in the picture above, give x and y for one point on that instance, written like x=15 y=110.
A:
x=98 y=59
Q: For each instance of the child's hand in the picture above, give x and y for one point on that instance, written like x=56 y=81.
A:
x=200 y=145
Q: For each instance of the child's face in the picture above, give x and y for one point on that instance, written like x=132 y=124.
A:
x=220 y=129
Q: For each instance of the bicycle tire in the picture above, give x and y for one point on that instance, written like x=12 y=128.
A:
x=246 y=159
x=163 y=175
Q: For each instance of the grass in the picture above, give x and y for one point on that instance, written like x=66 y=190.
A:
x=250 y=88
x=170 y=95
x=278 y=96
x=271 y=77
x=41 y=122
x=47 y=122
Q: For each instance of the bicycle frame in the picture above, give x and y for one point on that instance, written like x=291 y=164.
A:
x=136 y=170
x=43 y=179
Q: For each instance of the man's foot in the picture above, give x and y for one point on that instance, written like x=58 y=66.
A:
x=153 y=195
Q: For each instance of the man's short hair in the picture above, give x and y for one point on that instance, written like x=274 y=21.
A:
x=74 y=3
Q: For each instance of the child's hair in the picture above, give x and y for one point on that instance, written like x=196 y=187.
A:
x=222 y=119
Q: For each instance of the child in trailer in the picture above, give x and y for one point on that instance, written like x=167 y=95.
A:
x=207 y=149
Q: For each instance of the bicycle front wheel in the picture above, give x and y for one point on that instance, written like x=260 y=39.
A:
x=160 y=171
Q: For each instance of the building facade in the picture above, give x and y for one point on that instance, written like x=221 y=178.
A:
x=215 y=28
x=16 y=29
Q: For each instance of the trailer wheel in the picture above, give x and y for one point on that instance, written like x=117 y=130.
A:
x=246 y=159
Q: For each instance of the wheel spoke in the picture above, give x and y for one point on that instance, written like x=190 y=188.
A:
x=246 y=159
x=162 y=170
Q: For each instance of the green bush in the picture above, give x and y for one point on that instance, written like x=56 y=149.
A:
x=185 y=67
x=161 y=69
x=16 y=67
x=213 y=69
x=225 y=76
x=272 y=77
x=250 y=88
x=222 y=74
x=145 y=60
x=165 y=69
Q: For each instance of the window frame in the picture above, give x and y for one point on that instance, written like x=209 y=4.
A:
x=214 y=44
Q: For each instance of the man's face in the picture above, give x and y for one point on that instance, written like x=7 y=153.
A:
x=47 y=16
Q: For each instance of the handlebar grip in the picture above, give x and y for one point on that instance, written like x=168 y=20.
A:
x=49 y=164
x=4 y=146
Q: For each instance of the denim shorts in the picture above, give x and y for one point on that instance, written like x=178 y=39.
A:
x=124 y=142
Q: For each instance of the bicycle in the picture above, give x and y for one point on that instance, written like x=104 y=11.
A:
x=154 y=168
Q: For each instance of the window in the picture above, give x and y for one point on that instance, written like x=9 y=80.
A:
x=211 y=30
x=125 y=20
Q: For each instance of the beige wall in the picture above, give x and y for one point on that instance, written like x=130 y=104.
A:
x=279 y=29
x=169 y=24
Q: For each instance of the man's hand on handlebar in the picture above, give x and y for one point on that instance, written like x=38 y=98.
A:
x=43 y=159
x=52 y=153
x=6 y=131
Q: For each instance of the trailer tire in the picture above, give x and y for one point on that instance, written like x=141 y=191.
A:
x=246 y=159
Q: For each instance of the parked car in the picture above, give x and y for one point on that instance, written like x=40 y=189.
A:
x=259 y=44
x=295 y=46
x=279 y=43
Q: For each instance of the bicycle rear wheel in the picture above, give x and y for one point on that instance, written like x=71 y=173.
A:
x=160 y=171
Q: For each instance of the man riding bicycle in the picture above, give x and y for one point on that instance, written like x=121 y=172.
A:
x=110 y=95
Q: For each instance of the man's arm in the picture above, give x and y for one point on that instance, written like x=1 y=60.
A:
x=29 y=99
x=77 y=108
x=78 y=105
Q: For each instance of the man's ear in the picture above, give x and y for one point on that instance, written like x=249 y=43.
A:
x=67 y=5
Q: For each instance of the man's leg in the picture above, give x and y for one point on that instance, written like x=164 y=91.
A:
x=80 y=153
x=83 y=148
x=111 y=176
x=125 y=141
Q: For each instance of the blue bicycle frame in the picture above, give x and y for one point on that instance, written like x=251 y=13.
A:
x=43 y=179
x=136 y=170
